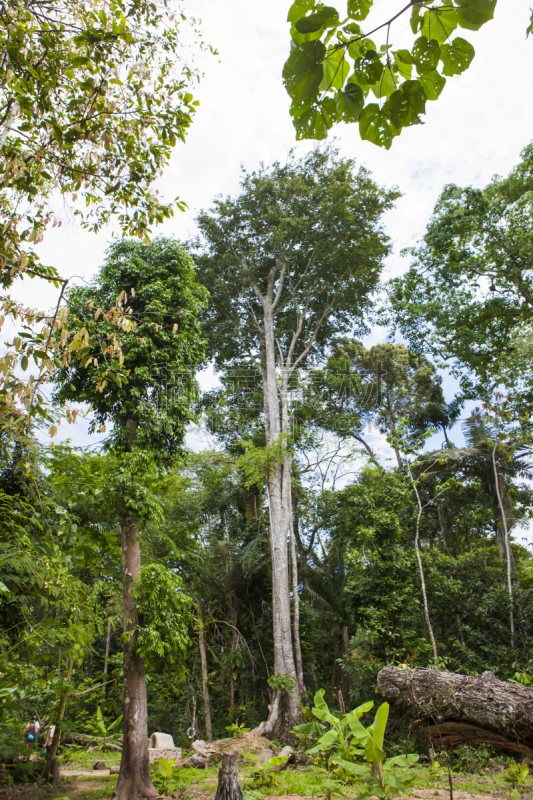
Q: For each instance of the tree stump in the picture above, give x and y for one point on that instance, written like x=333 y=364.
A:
x=451 y=709
x=229 y=787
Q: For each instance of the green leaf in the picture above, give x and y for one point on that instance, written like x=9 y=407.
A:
x=321 y=709
x=425 y=54
x=403 y=62
x=406 y=104
x=433 y=84
x=359 y=9
x=350 y=103
x=386 y=84
x=24 y=363
x=368 y=69
x=357 y=727
x=457 y=56
x=472 y=14
x=355 y=769
x=315 y=122
x=373 y=751
x=3 y=588
x=416 y=19
x=401 y=761
x=327 y=17
x=336 y=70
x=303 y=71
x=377 y=729
x=438 y=24
x=299 y=8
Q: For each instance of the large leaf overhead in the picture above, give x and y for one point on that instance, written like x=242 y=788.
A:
x=331 y=55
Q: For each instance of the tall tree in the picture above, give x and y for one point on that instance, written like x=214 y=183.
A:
x=149 y=414
x=380 y=384
x=93 y=100
x=469 y=292
x=289 y=263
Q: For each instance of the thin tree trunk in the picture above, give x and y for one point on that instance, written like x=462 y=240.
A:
x=231 y=678
x=420 y=567
x=106 y=655
x=8 y=125
x=441 y=524
x=205 y=685
x=507 y=546
x=134 y=781
x=296 y=612
x=60 y=716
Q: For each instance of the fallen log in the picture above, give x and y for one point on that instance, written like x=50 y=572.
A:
x=452 y=709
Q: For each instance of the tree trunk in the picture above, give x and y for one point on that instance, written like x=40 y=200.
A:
x=106 y=655
x=57 y=731
x=452 y=709
x=296 y=613
x=229 y=787
x=285 y=710
x=205 y=685
x=500 y=491
x=134 y=781
x=420 y=566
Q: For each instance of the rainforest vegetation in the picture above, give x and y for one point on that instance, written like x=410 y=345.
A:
x=244 y=556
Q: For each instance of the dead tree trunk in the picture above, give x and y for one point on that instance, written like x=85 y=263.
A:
x=451 y=709
x=229 y=787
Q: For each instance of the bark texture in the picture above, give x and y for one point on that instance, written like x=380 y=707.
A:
x=205 y=684
x=134 y=781
x=452 y=709
x=229 y=787
x=285 y=708
x=49 y=767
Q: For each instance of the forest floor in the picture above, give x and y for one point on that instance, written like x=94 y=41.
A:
x=81 y=782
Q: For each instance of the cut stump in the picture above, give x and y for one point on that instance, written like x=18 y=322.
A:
x=452 y=709
x=229 y=787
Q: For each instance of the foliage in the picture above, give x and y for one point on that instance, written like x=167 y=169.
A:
x=283 y=683
x=165 y=613
x=263 y=776
x=93 y=101
x=333 y=65
x=105 y=730
x=164 y=776
x=335 y=738
x=466 y=296
x=382 y=780
x=516 y=775
x=237 y=731
x=159 y=352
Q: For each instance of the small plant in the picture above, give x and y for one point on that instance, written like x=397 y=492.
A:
x=282 y=682
x=164 y=778
x=331 y=779
x=522 y=678
x=380 y=778
x=263 y=775
x=516 y=776
x=101 y=727
x=237 y=731
x=340 y=739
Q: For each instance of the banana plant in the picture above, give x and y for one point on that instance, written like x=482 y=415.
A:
x=381 y=779
x=340 y=739
x=103 y=729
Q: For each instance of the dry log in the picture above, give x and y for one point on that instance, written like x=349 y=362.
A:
x=451 y=709
x=229 y=787
x=87 y=741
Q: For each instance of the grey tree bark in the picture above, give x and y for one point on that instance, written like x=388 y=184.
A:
x=229 y=787
x=451 y=709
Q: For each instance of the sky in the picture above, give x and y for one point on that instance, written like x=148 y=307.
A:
x=476 y=129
